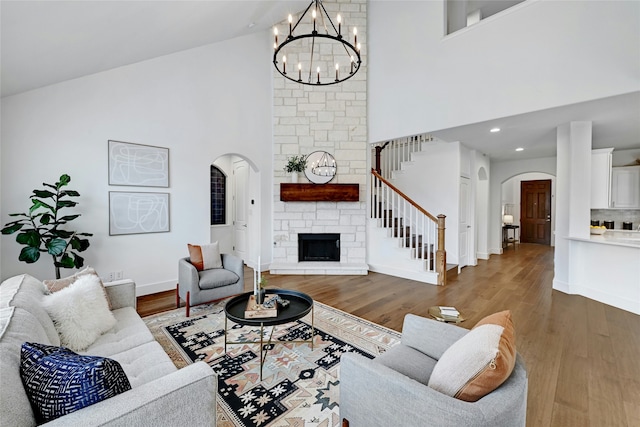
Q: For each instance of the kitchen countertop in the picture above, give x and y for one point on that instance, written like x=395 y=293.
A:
x=629 y=238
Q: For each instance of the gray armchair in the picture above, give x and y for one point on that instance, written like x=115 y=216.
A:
x=391 y=390
x=199 y=287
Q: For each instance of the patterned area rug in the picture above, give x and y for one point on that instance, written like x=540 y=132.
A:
x=300 y=385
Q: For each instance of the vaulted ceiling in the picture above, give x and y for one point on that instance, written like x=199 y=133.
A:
x=46 y=42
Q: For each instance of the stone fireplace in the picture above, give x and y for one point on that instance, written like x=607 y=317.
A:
x=327 y=118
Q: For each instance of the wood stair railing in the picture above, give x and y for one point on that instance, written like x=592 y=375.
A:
x=415 y=228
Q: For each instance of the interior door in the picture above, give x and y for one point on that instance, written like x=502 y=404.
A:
x=464 y=226
x=240 y=204
x=535 y=211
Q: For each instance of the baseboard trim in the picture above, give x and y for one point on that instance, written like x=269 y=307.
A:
x=562 y=287
x=154 y=288
x=424 y=277
x=609 y=299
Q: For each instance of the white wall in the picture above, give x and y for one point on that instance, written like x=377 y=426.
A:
x=188 y=102
x=538 y=55
x=501 y=172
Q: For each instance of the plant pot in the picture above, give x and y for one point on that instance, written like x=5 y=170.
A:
x=294 y=177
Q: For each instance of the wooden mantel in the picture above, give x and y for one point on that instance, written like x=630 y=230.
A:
x=319 y=192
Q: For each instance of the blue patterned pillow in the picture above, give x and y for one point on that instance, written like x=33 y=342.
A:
x=59 y=381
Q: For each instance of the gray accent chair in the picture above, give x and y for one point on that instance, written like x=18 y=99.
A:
x=199 y=287
x=391 y=390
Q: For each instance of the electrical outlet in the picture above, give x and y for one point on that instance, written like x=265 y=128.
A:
x=119 y=275
x=110 y=277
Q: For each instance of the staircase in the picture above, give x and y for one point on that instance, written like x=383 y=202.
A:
x=406 y=240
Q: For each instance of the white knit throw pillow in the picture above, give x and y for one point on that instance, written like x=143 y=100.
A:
x=80 y=312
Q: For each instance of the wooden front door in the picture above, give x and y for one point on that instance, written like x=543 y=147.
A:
x=535 y=211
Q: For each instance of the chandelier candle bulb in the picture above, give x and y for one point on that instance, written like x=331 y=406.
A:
x=284 y=64
x=351 y=64
x=339 y=19
x=318 y=75
x=337 y=68
x=299 y=72
x=290 y=21
x=313 y=15
x=275 y=34
x=355 y=36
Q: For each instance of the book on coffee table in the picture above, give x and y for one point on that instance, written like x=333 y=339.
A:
x=446 y=314
x=257 y=311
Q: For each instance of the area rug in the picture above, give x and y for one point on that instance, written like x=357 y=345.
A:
x=300 y=385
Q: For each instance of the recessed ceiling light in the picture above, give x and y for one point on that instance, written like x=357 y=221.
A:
x=519 y=149
x=494 y=130
x=251 y=24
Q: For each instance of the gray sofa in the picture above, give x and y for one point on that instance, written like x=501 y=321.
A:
x=160 y=394
x=391 y=389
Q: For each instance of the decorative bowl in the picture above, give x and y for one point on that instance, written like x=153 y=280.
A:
x=598 y=231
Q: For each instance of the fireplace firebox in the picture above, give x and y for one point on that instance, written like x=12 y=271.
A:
x=318 y=247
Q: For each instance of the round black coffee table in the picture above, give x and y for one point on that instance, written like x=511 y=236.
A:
x=300 y=305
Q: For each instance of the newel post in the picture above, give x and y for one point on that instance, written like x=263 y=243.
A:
x=441 y=254
x=378 y=163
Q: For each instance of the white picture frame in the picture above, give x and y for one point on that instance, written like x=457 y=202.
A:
x=138 y=165
x=138 y=213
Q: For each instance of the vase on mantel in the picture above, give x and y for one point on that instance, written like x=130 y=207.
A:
x=294 y=177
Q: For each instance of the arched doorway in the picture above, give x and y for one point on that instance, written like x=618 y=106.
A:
x=240 y=232
x=512 y=200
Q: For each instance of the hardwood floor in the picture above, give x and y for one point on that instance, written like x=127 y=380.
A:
x=582 y=357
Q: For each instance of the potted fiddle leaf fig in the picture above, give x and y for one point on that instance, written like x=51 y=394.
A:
x=41 y=229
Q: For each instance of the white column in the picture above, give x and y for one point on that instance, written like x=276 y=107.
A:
x=573 y=194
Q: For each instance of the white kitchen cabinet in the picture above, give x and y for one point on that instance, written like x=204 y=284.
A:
x=601 y=178
x=625 y=187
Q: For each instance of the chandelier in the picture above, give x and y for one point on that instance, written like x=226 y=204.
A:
x=317 y=53
x=324 y=166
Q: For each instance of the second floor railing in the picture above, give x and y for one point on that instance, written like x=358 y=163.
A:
x=389 y=155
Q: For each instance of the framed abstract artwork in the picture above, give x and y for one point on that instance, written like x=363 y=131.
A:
x=138 y=165
x=138 y=213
